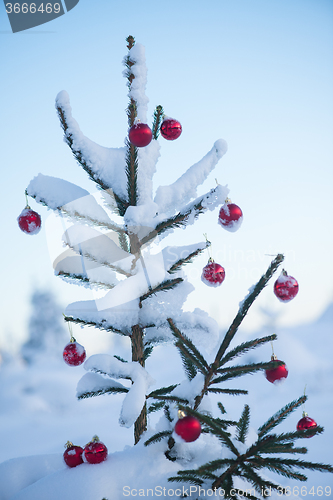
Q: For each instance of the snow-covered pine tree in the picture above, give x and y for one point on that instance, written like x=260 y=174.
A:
x=46 y=332
x=115 y=252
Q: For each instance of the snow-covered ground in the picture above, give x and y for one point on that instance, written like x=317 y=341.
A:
x=39 y=413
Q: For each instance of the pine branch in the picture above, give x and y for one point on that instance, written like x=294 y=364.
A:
x=187 y=260
x=157 y=437
x=155 y=406
x=147 y=352
x=221 y=407
x=80 y=279
x=280 y=416
x=162 y=391
x=240 y=370
x=108 y=328
x=232 y=392
x=173 y=399
x=112 y=226
x=245 y=347
x=162 y=287
x=243 y=309
x=287 y=437
x=108 y=390
x=246 y=304
x=243 y=424
x=120 y=358
x=182 y=218
x=284 y=448
x=158 y=118
x=189 y=367
x=258 y=482
x=184 y=340
x=92 y=258
x=123 y=242
x=212 y=466
x=132 y=172
x=285 y=466
x=186 y=479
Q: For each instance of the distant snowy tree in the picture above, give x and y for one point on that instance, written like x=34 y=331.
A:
x=46 y=332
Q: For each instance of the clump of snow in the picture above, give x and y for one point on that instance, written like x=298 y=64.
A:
x=138 y=219
x=136 y=396
x=93 y=382
x=54 y=192
x=88 y=209
x=185 y=188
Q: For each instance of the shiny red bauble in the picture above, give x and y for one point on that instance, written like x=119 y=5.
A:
x=285 y=287
x=276 y=374
x=213 y=274
x=74 y=353
x=230 y=216
x=73 y=455
x=140 y=135
x=306 y=423
x=188 y=428
x=95 y=452
x=170 y=129
x=29 y=221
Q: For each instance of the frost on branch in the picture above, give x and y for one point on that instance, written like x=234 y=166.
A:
x=113 y=368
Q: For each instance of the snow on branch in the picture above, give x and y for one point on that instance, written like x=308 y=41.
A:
x=119 y=318
x=72 y=200
x=176 y=257
x=185 y=188
x=93 y=384
x=137 y=88
x=136 y=396
x=190 y=212
x=100 y=248
x=106 y=166
x=82 y=271
x=54 y=192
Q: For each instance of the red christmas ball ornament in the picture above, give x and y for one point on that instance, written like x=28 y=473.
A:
x=73 y=455
x=170 y=129
x=276 y=374
x=188 y=428
x=306 y=423
x=74 y=353
x=29 y=221
x=95 y=452
x=285 y=287
x=230 y=216
x=140 y=135
x=213 y=274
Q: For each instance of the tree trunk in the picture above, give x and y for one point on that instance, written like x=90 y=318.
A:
x=138 y=355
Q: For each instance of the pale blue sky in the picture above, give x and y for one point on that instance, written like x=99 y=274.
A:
x=256 y=73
